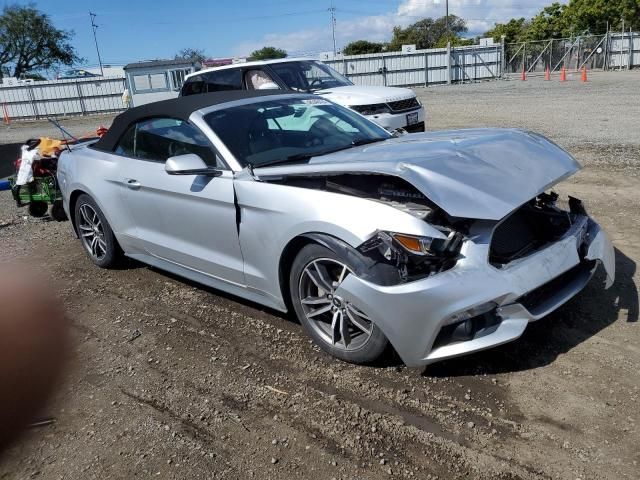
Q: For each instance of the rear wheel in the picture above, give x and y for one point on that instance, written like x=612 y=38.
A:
x=337 y=326
x=95 y=233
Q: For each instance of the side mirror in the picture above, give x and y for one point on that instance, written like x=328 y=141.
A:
x=189 y=164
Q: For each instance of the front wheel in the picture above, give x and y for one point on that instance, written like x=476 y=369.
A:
x=336 y=325
x=95 y=233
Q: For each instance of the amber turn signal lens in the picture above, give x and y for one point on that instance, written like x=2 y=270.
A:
x=410 y=243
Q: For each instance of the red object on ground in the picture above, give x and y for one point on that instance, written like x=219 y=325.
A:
x=583 y=77
x=563 y=74
x=101 y=131
x=547 y=74
x=523 y=77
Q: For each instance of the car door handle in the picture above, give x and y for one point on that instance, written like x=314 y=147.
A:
x=133 y=184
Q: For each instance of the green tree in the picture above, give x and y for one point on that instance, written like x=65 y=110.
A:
x=428 y=33
x=578 y=17
x=29 y=42
x=360 y=47
x=268 y=53
x=593 y=16
x=551 y=22
x=191 y=54
x=513 y=30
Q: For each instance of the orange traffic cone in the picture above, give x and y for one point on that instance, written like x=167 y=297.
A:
x=547 y=74
x=523 y=77
x=583 y=77
x=563 y=74
x=5 y=115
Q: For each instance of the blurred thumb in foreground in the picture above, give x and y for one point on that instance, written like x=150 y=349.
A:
x=33 y=346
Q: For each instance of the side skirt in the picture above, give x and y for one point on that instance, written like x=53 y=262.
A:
x=209 y=281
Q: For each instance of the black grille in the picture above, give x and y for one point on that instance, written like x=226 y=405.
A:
x=401 y=105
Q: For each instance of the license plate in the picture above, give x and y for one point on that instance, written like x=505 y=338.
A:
x=412 y=118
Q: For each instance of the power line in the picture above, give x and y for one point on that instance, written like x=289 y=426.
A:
x=94 y=27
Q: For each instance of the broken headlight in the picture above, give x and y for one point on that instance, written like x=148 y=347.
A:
x=415 y=257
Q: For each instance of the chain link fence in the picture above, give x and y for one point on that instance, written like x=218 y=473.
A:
x=595 y=52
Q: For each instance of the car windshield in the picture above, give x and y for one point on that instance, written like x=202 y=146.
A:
x=290 y=130
x=309 y=75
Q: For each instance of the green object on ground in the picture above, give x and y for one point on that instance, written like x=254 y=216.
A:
x=42 y=189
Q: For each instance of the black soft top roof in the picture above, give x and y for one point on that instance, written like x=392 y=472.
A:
x=180 y=108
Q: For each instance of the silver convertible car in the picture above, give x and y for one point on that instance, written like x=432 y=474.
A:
x=439 y=244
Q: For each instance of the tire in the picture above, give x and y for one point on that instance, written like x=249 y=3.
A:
x=57 y=212
x=336 y=326
x=38 y=209
x=95 y=234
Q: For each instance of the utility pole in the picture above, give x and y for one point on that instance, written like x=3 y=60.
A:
x=332 y=10
x=446 y=15
x=94 y=27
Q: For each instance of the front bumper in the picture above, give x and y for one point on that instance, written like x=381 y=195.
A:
x=412 y=315
x=393 y=121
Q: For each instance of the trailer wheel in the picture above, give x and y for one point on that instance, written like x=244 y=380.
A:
x=38 y=209
x=57 y=212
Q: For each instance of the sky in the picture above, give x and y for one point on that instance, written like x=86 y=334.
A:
x=135 y=30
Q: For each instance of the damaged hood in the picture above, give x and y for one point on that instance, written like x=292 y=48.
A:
x=479 y=173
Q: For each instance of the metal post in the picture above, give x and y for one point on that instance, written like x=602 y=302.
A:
x=475 y=63
x=384 y=70
x=605 y=65
x=81 y=98
x=502 y=57
x=630 y=60
x=426 y=69
x=621 y=44
x=448 y=63
x=34 y=103
x=464 y=67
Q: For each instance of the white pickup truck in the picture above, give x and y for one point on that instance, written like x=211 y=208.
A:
x=390 y=107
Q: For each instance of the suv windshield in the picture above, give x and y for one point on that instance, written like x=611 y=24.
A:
x=290 y=130
x=309 y=75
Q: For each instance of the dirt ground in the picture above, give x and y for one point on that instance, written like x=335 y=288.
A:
x=173 y=380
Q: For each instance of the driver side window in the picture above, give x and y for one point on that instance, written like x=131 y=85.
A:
x=158 y=139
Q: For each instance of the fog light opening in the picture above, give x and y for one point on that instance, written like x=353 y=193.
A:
x=469 y=325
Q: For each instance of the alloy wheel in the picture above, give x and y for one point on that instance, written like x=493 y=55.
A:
x=92 y=232
x=338 y=322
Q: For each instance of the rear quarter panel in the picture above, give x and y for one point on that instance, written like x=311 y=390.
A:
x=100 y=175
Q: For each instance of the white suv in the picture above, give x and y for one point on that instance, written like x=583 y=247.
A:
x=390 y=107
